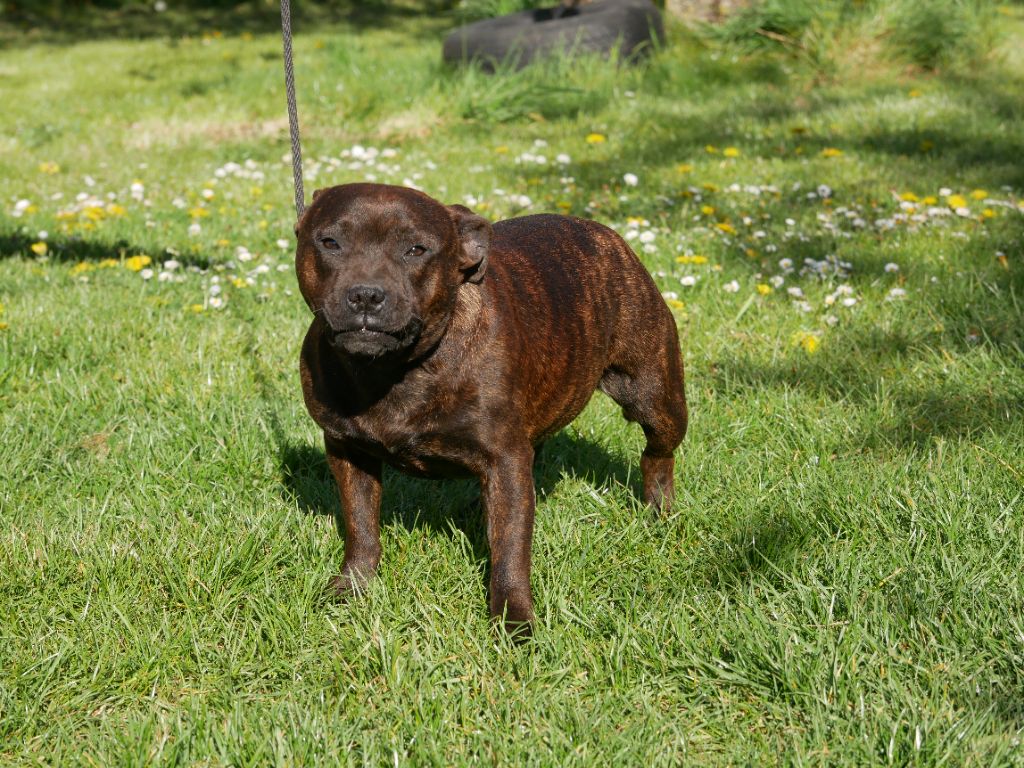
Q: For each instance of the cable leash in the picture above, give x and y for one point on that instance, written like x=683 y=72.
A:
x=293 y=113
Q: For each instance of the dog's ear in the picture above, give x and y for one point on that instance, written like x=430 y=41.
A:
x=301 y=220
x=475 y=236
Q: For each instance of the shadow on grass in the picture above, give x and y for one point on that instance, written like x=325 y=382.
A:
x=57 y=23
x=73 y=249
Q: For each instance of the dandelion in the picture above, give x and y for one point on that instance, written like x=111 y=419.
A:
x=711 y=149
x=49 y=168
x=831 y=152
x=195 y=308
x=684 y=168
x=979 y=194
x=763 y=288
x=694 y=259
x=39 y=249
x=731 y=287
x=807 y=341
x=136 y=263
x=726 y=227
x=595 y=138
x=675 y=304
x=956 y=201
x=707 y=210
x=731 y=152
x=630 y=179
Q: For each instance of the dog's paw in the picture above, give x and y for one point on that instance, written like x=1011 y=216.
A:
x=348 y=583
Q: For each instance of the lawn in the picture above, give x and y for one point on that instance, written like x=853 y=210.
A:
x=840 y=581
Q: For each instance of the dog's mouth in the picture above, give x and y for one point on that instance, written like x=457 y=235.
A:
x=366 y=340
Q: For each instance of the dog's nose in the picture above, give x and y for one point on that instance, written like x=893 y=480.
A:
x=366 y=299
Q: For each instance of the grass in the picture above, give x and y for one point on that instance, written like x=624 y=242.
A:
x=840 y=581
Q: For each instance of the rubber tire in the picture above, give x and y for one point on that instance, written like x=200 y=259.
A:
x=630 y=26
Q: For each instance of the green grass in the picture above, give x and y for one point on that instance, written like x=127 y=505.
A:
x=840 y=581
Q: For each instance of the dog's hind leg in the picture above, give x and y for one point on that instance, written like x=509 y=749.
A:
x=648 y=384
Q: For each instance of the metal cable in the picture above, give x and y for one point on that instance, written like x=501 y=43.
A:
x=293 y=113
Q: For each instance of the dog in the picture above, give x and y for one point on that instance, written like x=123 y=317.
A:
x=448 y=347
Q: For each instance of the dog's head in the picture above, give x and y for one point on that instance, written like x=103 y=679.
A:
x=383 y=265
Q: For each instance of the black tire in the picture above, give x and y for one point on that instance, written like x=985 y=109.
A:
x=630 y=26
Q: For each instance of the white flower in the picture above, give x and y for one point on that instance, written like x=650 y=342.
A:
x=242 y=253
x=146 y=274
x=159 y=6
x=171 y=264
x=896 y=293
x=194 y=228
x=671 y=295
x=138 y=191
x=795 y=292
x=563 y=159
x=831 y=320
x=215 y=290
x=164 y=276
x=688 y=280
x=892 y=267
x=283 y=267
x=849 y=301
x=208 y=194
x=630 y=179
x=945 y=192
x=216 y=302
x=42 y=234
x=731 y=287
x=824 y=190
x=776 y=281
x=785 y=263
x=647 y=236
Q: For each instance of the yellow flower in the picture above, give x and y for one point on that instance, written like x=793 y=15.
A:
x=137 y=263
x=108 y=263
x=238 y=282
x=94 y=213
x=956 y=201
x=763 y=288
x=831 y=152
x=564 y=205
x=707 y=210
x=711 y=149
x=675 y=303
x=809 y=342
x=198 y=212
x=595 y=138
x=80 y=267
x=195 y=307
x=914 y=93
x=695 y=259
x=501 y=150
x=709 y=187
x=988 y=213
x=223 y=243
x=116 y=210
x=930 y=200
x=39 y=249
x=3 y=326
x=979 y=194
x=49 y=168
x=726 y=227
x=731 y=152
x=909 y=197
x=684 y=168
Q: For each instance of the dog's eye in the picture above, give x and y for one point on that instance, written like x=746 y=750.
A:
x=330 y=244
x=416 y=250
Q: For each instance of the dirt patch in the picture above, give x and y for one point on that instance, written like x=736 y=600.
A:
x=146 y=134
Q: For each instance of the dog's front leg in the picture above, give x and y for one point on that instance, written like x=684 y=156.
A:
x=358 y=479
x=508 y=496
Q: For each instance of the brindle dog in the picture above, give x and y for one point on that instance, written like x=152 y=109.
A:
x=447 y=347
